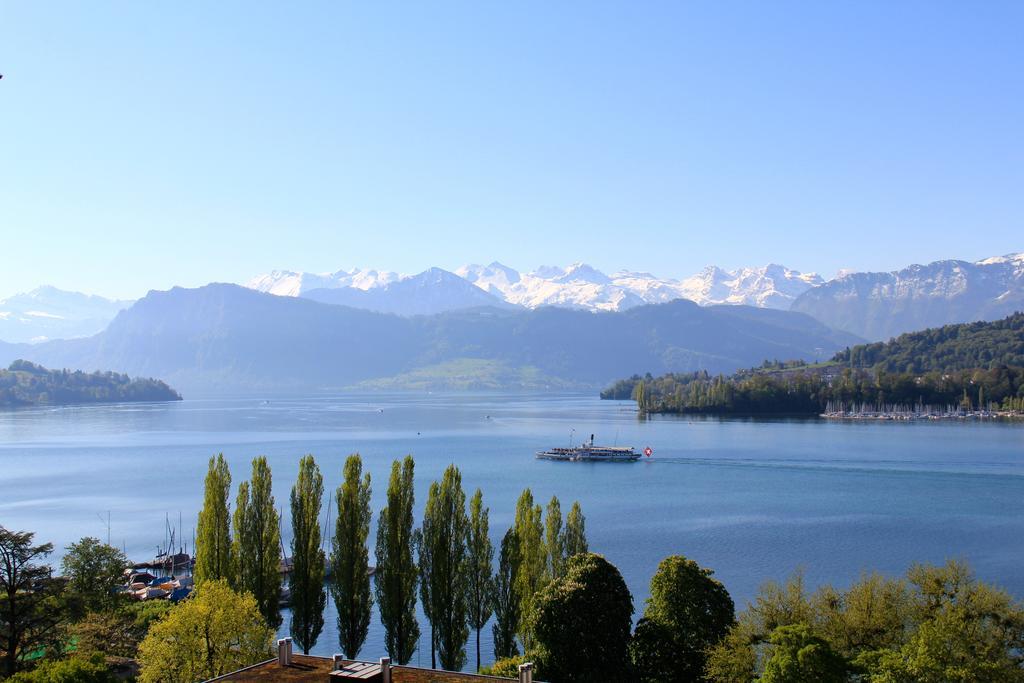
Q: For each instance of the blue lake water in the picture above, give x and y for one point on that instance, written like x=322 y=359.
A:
x=753 y=500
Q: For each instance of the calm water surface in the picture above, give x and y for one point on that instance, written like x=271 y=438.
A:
x=751 y=499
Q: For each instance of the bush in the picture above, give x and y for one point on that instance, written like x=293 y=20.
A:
x=509 y=667
x=76 y=670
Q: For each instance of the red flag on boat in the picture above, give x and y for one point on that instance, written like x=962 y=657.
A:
x=648 y=451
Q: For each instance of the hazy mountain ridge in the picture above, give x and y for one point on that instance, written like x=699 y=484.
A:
x=879 y=306
x=432 y=291
x=223 y=336
x=51 y=313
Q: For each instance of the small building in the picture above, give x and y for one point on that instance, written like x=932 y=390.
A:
x=309 y=669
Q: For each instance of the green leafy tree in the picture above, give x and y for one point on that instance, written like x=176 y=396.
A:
x=118 y=632
x=797 y=656
x=94 y=571
x=214 y=632
x=397 y=573
x=965 y=631
x=554 y=539
x=258 y=542
x=938 y=624
x=949 y=648
x=575 y=542
x=532 y=562
x=444 y=533
x=214 y=556
x=307 y=578
x=688 y=613
x=481 y=573
x=734 y=659
x=875 y=613
x=506 y=599
x=582 y=623
x=30 y=612
x=350 y=558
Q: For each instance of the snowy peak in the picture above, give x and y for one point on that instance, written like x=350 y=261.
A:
x=292 y=283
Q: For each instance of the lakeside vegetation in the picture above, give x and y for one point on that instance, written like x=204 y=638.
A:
x=937 y=624
x=28 y=384
x=970 y=366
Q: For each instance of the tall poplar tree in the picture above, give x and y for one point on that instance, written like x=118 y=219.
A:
x=214 y=557
x=575 y=532
x=506 y=599
x=444 y=533
x=397 y=573
x=480 y=584
x=426 y=567
x=532 y=561
x=258 y=542
x=554 y=539
x=350 y=558
x=307 y=578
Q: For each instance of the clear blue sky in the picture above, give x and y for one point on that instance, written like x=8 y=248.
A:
x=144 y=145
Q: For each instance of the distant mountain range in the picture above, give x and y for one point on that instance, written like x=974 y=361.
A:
x=224 y=336
x=878 y=306
x=873 y=306
x=51 y=313
x=577 y=286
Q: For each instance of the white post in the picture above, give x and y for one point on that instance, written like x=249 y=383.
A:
x=526 y=673
x=338 y=659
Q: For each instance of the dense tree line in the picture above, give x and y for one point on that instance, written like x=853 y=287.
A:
x=28 y=384
x=808 y=392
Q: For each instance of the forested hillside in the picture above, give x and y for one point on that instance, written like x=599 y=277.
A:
x=951 y=347
x=970 y=365
x=28 y=384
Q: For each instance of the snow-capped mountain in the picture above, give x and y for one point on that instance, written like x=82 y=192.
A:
x=578 y=286
x=291 y=283
x=878 y=306
x=51 y=313
x=772 y=286
x=581 y=286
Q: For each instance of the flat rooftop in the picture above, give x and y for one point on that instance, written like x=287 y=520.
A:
x=306 y=668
